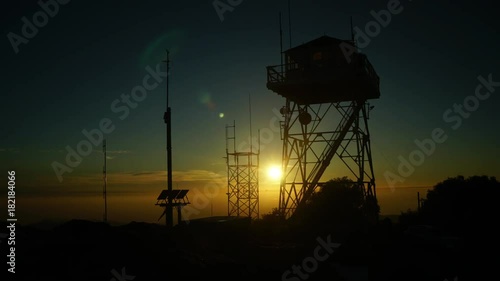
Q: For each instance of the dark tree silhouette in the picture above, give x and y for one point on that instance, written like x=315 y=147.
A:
x=467 y=208
x=457 y=204
x=339 y=208
x=273 y=216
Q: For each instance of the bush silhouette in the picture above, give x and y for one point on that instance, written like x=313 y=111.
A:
x=339 y=207
x=459 y=203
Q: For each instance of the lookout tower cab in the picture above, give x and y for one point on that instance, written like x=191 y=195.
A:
x=324 y=70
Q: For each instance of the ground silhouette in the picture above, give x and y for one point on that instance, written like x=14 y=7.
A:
x=448 y=238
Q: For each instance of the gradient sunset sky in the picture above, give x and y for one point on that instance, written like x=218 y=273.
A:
x=71 y=74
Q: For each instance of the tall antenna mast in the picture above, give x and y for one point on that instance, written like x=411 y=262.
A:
x=290 y=23
x=250 y=158
x=250 y=118
x=352 y=33
x=168 y=121
x=281 y=45
x=105 y=178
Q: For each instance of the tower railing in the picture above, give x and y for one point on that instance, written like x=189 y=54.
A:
x=275 y=74
x=293 y=72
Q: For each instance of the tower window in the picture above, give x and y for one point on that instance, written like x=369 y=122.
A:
x=318 y=56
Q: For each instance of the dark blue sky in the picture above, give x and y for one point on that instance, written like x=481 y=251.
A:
x=67 y=76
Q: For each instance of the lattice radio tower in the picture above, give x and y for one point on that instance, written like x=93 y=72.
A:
x=326 y=115
x=242 y=176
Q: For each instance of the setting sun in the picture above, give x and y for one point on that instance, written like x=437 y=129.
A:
x=274 y=172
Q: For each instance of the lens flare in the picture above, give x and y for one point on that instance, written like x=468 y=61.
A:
x=206 y=99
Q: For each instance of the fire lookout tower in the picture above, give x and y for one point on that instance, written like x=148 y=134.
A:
x=326 y=117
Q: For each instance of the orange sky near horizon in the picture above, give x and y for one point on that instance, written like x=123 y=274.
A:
x=132 y=197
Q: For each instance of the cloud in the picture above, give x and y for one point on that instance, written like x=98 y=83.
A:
x=196 y=175
x=143 y=173
x=8 y=150
x=143 y=178
x=112 y=151
x=50 y=150
x=142 y=181
x=118 y=151
x=115 y=152
x=178 y=176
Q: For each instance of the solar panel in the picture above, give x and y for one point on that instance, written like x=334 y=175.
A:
x=173 y=194
x=163 y=195
x=182 y=194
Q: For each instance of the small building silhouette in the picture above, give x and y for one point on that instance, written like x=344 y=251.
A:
x=324 y=70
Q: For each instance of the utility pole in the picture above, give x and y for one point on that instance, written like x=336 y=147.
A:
x=104 y=176
x=168 y=121
x=418 y=202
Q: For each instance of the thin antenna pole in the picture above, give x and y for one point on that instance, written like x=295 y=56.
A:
x=105 y=182
x=250 y=119
x=290 y=23
x=168 y=120
x=168 y=74
x=227 y=163
x=352 y=36
x=418 y=202
x=352 y=32
x=281 y=45
x=250 y=158
x=258 y=180
x=258 y=132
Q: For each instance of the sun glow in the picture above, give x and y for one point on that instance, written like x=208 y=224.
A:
x=274 y=172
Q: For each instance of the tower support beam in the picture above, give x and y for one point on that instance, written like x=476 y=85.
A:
x=310 y=146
